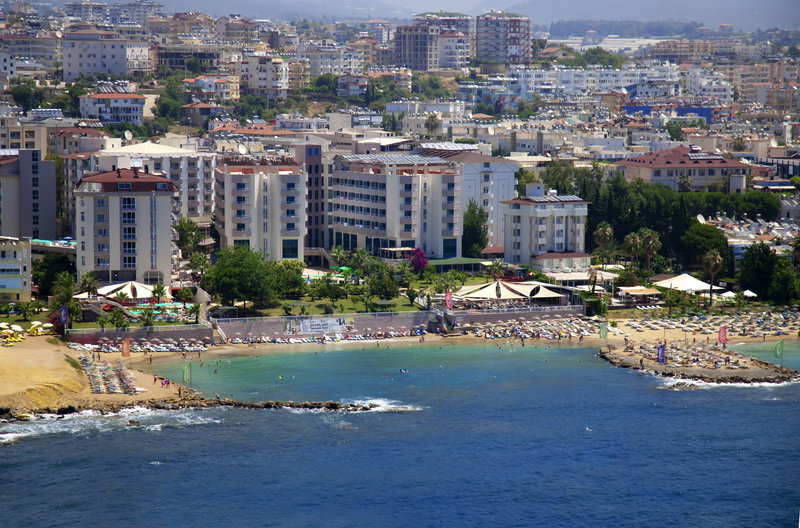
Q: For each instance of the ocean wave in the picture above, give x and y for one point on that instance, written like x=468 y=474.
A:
x=691 y=384
x=385 y=405
x=85 y=422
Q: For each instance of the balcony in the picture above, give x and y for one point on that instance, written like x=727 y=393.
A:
x=241 y=234
x=290 y=232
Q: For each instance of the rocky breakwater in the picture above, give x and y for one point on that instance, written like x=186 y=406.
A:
x=702 y=363
x=190 y=401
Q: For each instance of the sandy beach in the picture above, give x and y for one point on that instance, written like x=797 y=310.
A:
x=36 y=376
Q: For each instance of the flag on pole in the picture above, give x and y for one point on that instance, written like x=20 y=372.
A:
x=604 y=330
x=723 y=334
x=779 y=349
x=64 y=315
x=662 y=353
x=187 y=373
x=126 y=347
x=448 y=298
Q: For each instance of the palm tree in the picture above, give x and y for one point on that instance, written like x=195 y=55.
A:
x=5 y=308
x=103 y=320
x=712 y=264
x=63 y=288
x=194 y=310
x=496 y=269
x=118 y=319
x=603 y=237
x=184 y=295
x=593 y=277
x=148 y=317
x=121 y=297
x=339 y=256
x=431 y=123
x=199 y=264
x=24 y=310
x=796 y=250
x=650 y=244
x=89 y=283
x=159 y=291
x=633 y=245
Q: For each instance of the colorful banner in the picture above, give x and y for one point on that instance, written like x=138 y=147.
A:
x=662 y=353
x=187 y=373
x=448 y=298
x=64 y=314
x=126 y=347
x=603 y=330
x=779 y=349
x=723 y=334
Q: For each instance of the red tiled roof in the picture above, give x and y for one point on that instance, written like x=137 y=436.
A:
x=680 y=157
x=492 y=250
x=88 y=132
x=140 y=181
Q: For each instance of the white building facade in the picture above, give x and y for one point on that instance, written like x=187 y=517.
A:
x=545 y=230
x=125 y=227
x=262 y=205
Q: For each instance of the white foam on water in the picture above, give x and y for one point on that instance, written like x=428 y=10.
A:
x=85 y=422
x=385 y=405
x=690 y=384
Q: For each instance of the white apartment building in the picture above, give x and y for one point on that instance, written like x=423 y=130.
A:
x=92 y=51
x=378 y=201
x=113 y=107
x=15 y=270
x=125 y=227
x=489 y=181
x=264 y=76
x=708 y=83
x=191 y=171
x=503 y=37
x=42 y=47
x=262 y=204
x=455 y=49
x=546 y=231
x=330 y=58
x=8 y=68
x=526 y=81
x=222 y=87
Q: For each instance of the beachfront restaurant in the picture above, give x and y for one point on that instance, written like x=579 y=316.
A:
x=501 y=295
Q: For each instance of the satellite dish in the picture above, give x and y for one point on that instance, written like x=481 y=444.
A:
x=59 y=34
x=701 y=219
x=128 y=135
x=82 y=124
x=234 y=58
x=242 y=149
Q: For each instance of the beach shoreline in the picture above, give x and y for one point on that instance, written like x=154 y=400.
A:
x=35 y=376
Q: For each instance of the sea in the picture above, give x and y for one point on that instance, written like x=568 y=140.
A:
x=461 y=435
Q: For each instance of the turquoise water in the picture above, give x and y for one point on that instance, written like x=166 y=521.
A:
x=531 y=437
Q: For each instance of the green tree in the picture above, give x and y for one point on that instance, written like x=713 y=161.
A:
x=159 y=292
x=412 y=295
x=496 y=269
x=432 y=123
x=5 y=309
x=738 y=144
x=675 y=131
x=240 y=274
x=63 y=289
x=604 y=238
x=119 y=320
x=784 y=285
x=184 y=295
x=24 y=310
x=194 y=310
x=382 y=286
x=712 y=265
x=89 y=283
x=756 y=268
x=633 y=246
x=699 y=239
x=199 y=264
x=650 y=245
x=476 y=233
x=103 y=320
x=46 y=270
x=147 y=318
x=189 y=236
x=121 y=297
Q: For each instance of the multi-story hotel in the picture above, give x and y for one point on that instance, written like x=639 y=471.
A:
x=125 y=226
x=102 y=52
x=378 y=201
x=27 y=195
x=503 y=37
x=545 y=230
x=262 y=204
x=15 y=270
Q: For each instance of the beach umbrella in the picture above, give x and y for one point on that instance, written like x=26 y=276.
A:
x=748 y=293
x=16 y=328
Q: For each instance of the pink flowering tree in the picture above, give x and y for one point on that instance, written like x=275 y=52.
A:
x=417 y=259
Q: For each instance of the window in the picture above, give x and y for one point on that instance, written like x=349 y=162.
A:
x=128 y=202
x=240 y=227
x=35 y=181
x=449 y=247
x=124 y=186
x=35 y=207
x=128 y=232
x=35 y=168
x=128 y=217
x=161 y=186
x=35 y=194
x=289 y=249
x=129 y=262
x=128 y=248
